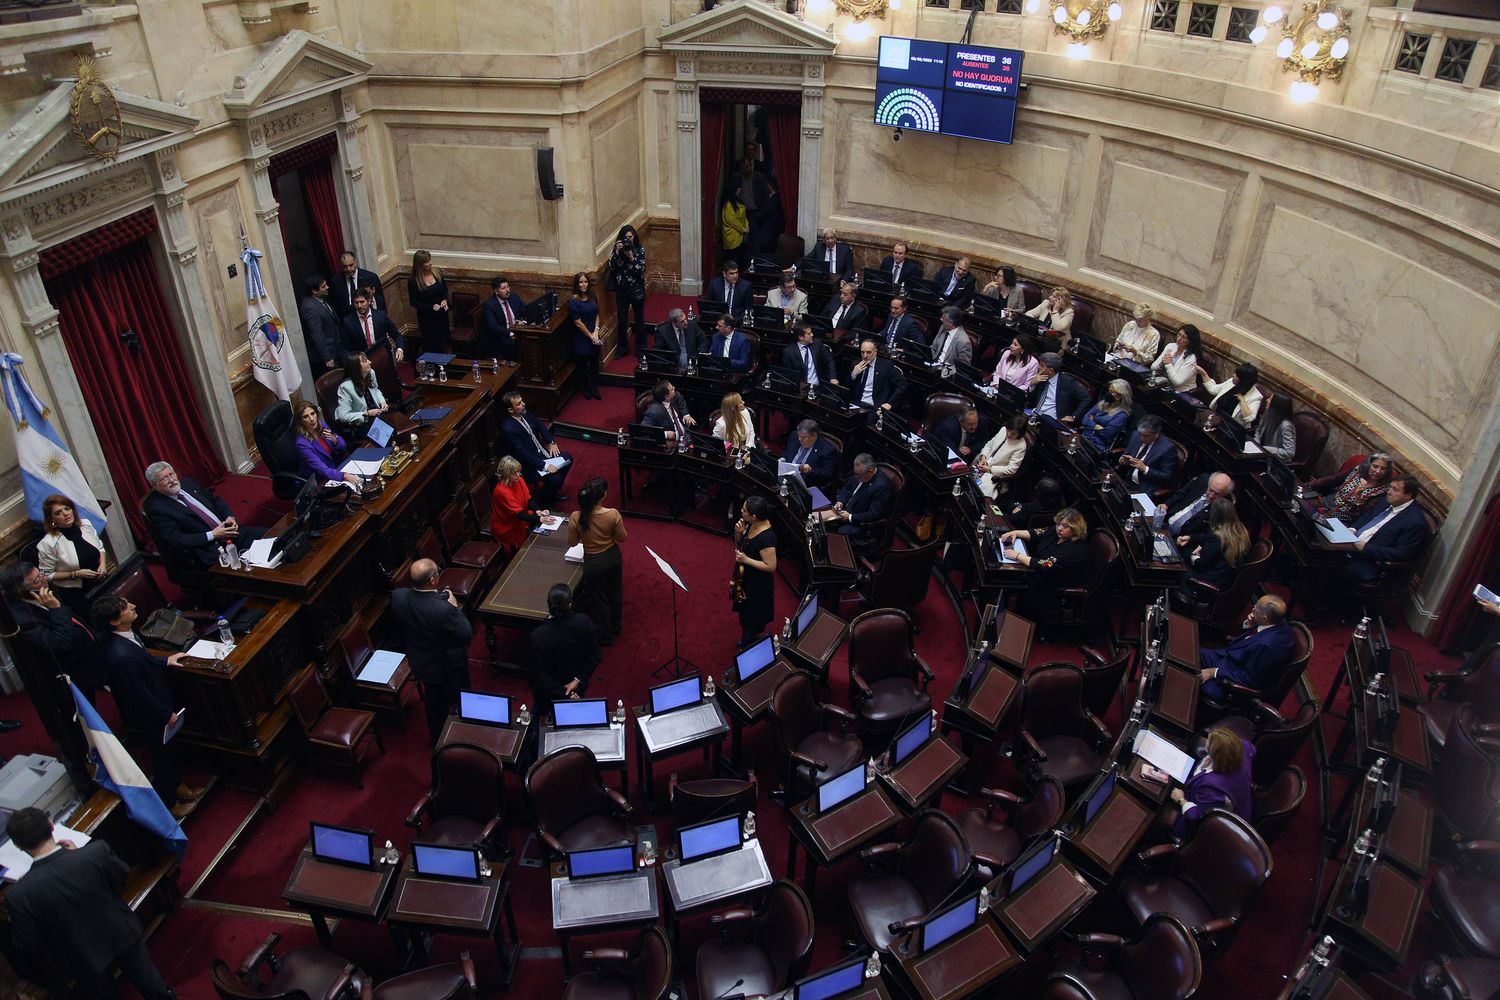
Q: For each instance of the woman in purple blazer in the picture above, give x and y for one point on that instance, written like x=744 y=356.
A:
x=1220 y=780
x=319 y=450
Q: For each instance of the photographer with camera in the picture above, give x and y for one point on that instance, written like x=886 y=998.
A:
x=437 y=635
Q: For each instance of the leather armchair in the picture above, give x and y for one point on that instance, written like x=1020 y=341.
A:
x=465 y=548
x=1238 y=695
x=997 y=841
x=1448 y=692
x=338 y=736
x=1394 y=576
x=619 y=975
x=1445 y=978
x=1312 y=436
x=300 y=974
x=326 y=388
x=1466 y=780
x=1161 y=962
x=1272 y=810
x=1207 y=882
x=1277 y=739
x=449 y=981
x=1466 y=899
x=711 y=798
x=466 y=803
x=1104 y=677
x=901 y=579
x=940 y=406
x=274 y=437
x=574 y=809
x=887 y=679
x=1060 y=737
x=758 y=952
x=810 y=753
x=1083 y=606
x=903 y=883
x=464 y=305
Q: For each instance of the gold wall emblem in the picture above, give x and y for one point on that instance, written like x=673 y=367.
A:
x=94 y=113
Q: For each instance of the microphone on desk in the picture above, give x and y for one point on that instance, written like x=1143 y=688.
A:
x=732 y=986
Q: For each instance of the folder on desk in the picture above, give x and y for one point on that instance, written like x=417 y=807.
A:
x=429 y=413
x=379 y=668
x=1337 y=532
x=370 y=455
x=433 y=358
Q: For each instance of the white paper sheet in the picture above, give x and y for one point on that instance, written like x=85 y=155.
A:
x=575 y=554
x=1337 y=532
x=785 y=468
x=17 y=862
x=380 y=666
x=666 y=568
x=205 y=650
x=361 y=468
x=1251 y=448
x=1164 y=755
x=553 y=464
x=259 y=554
x=544 y=527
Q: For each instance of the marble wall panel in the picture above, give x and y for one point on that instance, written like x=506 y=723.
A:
x=219 y=218
x=614 y=157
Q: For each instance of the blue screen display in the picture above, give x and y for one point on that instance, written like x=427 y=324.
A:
x=755 y=659
x=912 y=60
x=1096 y=801
x=447 y=862
x=915 y=735
x=1028 y=869
x=334 y=843
x=709 y=838
x=846 y=977
x=806 y=615
x=950 y=922
x=604 y=861
x=676 y=694
x=841 y=788
x=484 y=707
x=587 y=712
x=954 y=89
x=978 y=116
x=380 y=432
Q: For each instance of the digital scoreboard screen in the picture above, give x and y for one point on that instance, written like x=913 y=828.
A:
x=961 y=90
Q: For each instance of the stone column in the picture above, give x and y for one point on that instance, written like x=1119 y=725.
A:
x=284 y=291
x=204 y=348
x=689 y=178
x=51 y=374
x=810 y=153
x=357 y=218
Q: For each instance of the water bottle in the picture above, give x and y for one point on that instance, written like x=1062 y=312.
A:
x=415 y=447
x=708 y=687
x=1158 y=517
x=443 y=374
x=784 y=489
x=233 y=552
x=750 y=825
x=958 y=487
x=620 y=711
x=872 y=966
x=523 y=715
x=752 y=265
x=495 y=365
x=476 y=370
x=390 y=856
x=690 y=314
x=786 y=630
x=879 y=420
x=226 y=637
x=622 y=437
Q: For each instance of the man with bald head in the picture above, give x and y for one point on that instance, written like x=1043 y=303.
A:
x=1187 y=511
x=437 y=638
x=1256 y=656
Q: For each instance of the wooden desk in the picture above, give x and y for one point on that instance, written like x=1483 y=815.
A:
x=1182 y=641
x=593 y=906
x=1013 y=643
x=1177 y=703
x=323 y=889
x=518 y=599
x=1045 y=905
x=814 y=648
x=710 y=742
x=921 y=777
x=428 y=906
x=984 y=712
x=1382 y=935
x=838 y=833
x=745 y=704
x=505 y=743
x=960 y=967
x=1114 y=832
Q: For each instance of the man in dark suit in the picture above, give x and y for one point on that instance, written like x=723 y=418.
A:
x=351 y=279
x=835 y=257
x=731 y=344
x=955 y=284
x=863 y=501
x=901 y=330
x=564 y=651
x=49 y=643
x=876 y=381
x=370 y=330
x=1150 y=457
x=809 y=357
x=500 y=312
x=814 y=455
x=437 y=635
x=965 y=432
x=845 y=312
x=138 y=680
x=1187 y=512
x=730 y=289
x=67 y=913
x=1256 y=656
x=320 y=326
x=528 y=441
x=1056 y=394
x=1392 y=531
x=190 y=524
x=668 y=409
x=680 y=336
x=768 y=221
x=900 y=267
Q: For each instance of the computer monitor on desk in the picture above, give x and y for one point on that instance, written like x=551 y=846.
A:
x=601 y=862
x=752 y=661
x=769 y=318
x=660 y=360
x=441 y=861
x=699 y=841
x=950 y=922
x=912 y=738
x=486 y=709
x=806 y=614
x=831 y=983
x=1095 y=796
x=344 y=845
x=673 y=695
x=705 y=443
x=1029 y=865
x=580 y=714
x=841 y=788
x=648 y=435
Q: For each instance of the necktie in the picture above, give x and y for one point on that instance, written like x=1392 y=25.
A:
x=676 y=424
x=1141 y=455
x=727 y=342
x=830 y=260
x=510 y=317
x=890 y=334
x=952 y=284
x=197 y=509
x=1191 y=511
x=351 y=291
x=86 y=630
x=942 y=346
x=369 y=332
x=525 y=424
x=728 y=297
x=801 y=458
x=807 y=363
x=682 y=351
x=896 y=274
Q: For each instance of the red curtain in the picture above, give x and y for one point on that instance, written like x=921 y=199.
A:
x=713 y=125
x=323 y=208
x=786 y=157
x=1481 y=565
x=141 y=401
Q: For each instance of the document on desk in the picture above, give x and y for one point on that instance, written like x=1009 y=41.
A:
x=370 y=454
x=380 y=667
x=205 y=650
x=574 y=554
x=1144 y=503
x=551 y=524
x=554 y=464
x=1337 y=532
x=785 y=468
x=259 y=554
x=1164 y=755
x=360 y=468
x=16 y=862
x=1017 y=545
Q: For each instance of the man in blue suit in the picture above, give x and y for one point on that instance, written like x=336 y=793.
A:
x=731 y=289
x=1256 y=656
x=1394 y=531
x=528 y=441
x=500 y=312
x=1056 y=394
x=731 y=345
x=1150 y=457
x=864 y=501
x=814 y=455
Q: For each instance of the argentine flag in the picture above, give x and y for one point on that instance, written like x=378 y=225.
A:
x=47 y=467
x=118 y=772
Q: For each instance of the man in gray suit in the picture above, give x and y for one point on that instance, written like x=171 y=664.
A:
x=320 y=326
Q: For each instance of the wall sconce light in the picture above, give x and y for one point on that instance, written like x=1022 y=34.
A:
x=1313 y=46
x=1079 y=20
x=857 y=30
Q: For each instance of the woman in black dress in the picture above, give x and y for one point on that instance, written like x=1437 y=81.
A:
x=1059 y=557
x=754 y=569
x=428 y=295
x=1214 y=555
x=585 y=344
x=627 y=271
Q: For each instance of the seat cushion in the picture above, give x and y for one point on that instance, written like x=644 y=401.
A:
x=838 y=752
x=311 y=970
x=1069 y=759
x=462 y=582
x=1086 y=983
x=1437 y=716
x=592 y=986
x=720 y=964
x=879 y=900
x=892 y=700
x=437 y=983
x=599 y=830
x=1477 y=977
x=989 y=839
x=453 y=831
x=1471 y=907
x=341 y=726
x=1145 y=896
x=476 y=555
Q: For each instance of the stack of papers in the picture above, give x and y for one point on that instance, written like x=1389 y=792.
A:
x=1155 y=750
x=1144 y=503
x=205 y=650
x=362 y=468
x=259 y=554
x=1337 y=532
x=574 y=554
x=553 y=464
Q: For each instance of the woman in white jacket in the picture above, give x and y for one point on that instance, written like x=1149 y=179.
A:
x=70 y=555
x=1001 y=457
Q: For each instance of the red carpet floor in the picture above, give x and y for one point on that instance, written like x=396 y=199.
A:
x=240 y=902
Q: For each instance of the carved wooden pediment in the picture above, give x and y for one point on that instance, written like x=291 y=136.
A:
x=747 y=27
x=295 y=67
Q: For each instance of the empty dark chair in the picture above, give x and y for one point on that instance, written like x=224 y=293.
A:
x=466 y=549
x=338 y=736
x=1312 y=435
x=1062 y=739
x=997 y=841
x=1207 y=882
x=326 y=388
x=274 y=438
x=574 y=809
x=1478 y=688
x=887 y=679
x=1161 y=962
x=902 y=577
x=1277 y=740
x=300 y=974
x=617 y=974
x=1104 y=677
x=904 y=882
x=464 y=306
x=1272 y=810
x=1446 y=978
x=711 y=798
x=1466 y=779
x=810 y=753
x=449 y=981
x=466 y=803
x=758 y=952
x=1466 y=898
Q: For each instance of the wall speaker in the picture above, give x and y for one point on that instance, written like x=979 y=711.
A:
x=545 y=178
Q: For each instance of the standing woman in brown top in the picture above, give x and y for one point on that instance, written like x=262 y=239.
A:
x=601 y=530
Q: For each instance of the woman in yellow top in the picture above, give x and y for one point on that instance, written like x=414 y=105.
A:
x=734 y=223
x=601 y=530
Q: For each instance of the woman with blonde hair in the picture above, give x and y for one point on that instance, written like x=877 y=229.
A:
x=511 y=513
x=1220 y=780
x=1214 y=555
x=428 y=295
x=1059 y=557
x=1138 y=339
x=1105 y=421
x=1056 y=311
x=319 y=450
x=736 y=425
x=70 y=554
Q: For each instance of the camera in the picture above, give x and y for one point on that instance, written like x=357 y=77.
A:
x=896 y=135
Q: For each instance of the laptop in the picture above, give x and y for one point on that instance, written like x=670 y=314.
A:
x=585 y=712
x=806 y=615
x=706 y=443
x=832 y=982
x=1029 y=865
x=436 y=861
x=380 y=433
x=485 y=709
x=769 y=317
x=912 y=738
x=699 y=841
x=755 y=659
x=344 y=845
x=673 y=695
x=955 y=920
x=841 y=788
x=601 y=862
